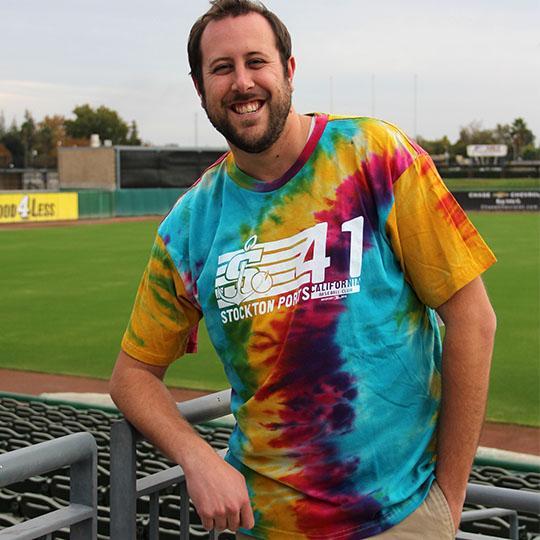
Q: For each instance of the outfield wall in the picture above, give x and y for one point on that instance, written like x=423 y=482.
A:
x=158 y=201
x=129 y=202
x=499 y=201
x=20 y=206
x=34 y=206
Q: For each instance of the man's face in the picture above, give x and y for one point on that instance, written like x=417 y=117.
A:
x=246 y=94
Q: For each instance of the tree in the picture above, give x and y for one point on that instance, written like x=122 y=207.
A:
x=2 y=124
x=133 y=138
x=12 y=140
x=103 y=121
x=503 y=134
x=50 y=134
x=473 y=133
x=530 y=152
x=517 y=136
x=36 y=144
x=436 y=146
x=521 y=137
x=5 y=156
x=28 y=137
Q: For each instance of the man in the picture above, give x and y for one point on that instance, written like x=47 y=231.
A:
x=317 y=250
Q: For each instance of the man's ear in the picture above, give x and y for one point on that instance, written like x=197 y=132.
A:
x=291 y=68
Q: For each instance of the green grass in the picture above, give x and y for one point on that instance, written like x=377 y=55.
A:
x=514 y=287
x=67 y=292
x=66 y=297
x=472 y=184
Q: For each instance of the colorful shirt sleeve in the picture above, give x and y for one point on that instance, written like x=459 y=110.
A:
x=437 y=246
x=164 y=319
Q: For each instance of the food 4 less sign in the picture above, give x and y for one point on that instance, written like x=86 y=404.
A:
x=21 y=207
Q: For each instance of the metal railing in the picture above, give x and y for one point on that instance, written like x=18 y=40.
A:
x=508 y=502
x=79 y=452
x=126 y=488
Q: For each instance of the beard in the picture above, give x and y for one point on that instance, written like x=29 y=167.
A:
x=279 y=107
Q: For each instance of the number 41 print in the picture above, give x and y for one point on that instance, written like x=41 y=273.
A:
x=319 y=262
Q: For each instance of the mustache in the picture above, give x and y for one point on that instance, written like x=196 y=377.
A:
x=239 y=97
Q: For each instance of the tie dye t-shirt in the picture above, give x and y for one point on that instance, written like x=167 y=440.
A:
x=318 y=291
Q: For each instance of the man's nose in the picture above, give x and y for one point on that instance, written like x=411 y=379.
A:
x=243 y=80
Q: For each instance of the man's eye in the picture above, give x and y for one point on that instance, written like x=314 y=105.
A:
x=221 y=68
x=256 y=62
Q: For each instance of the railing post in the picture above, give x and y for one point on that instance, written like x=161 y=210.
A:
x=184 y=512
x=123 y=493
x=79 y=452
x=83 y=475
x=514 y=526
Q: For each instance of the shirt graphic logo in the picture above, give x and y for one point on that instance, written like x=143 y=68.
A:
x=276 y=269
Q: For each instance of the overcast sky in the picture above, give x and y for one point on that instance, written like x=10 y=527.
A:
x=474 y=60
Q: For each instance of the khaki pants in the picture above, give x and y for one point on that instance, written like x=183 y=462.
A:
x=430 y=521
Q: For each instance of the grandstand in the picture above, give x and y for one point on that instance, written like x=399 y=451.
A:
x=131 y=479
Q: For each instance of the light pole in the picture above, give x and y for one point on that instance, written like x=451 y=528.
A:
x=415 y=106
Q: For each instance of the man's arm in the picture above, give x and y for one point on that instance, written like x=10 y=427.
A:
x=217 y=490
x=468 y=344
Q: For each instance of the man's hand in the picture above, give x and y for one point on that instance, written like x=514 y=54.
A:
x=217 y=489
x=455 y=503
x=219 y=494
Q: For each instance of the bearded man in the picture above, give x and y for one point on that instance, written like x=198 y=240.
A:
x=319 y=250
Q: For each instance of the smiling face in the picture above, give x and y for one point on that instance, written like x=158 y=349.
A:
x=247 y=91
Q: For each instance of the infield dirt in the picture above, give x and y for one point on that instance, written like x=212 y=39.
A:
x=509 y=437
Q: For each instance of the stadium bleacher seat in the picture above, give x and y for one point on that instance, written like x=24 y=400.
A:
x=533 y=479
x=32 y=505
x=59 y=487
x=531 y=522
x=8 y=521
x=24 y=423
x=35 y=484
x=494 y=526
x=9 y=502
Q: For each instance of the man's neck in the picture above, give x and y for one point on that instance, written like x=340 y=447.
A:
x=279 y=158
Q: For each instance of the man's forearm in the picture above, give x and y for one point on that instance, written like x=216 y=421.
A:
x=467 y=350
x=149 y=406
x=464 y=395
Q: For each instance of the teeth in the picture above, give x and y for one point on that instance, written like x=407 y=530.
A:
x=244 y=108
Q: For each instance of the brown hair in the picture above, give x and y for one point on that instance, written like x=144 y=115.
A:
x=222 y=9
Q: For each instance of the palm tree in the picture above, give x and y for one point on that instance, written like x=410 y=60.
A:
x=521 y=136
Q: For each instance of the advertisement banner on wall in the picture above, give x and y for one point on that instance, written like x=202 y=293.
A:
x=25 y=207
x=497 y=201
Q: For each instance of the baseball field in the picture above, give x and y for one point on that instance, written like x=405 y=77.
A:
x=66 y=293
